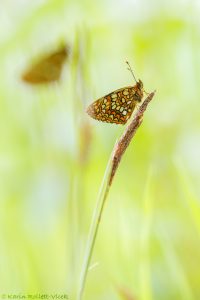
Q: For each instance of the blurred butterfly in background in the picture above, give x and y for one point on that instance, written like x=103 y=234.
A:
x=48 y=69
x=118 y=106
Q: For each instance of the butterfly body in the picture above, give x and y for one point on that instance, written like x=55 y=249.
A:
x=117 y=107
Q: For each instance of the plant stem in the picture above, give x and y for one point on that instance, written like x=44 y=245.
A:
x=114 y=161
x=103 y=193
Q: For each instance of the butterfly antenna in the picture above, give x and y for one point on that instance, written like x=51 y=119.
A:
x=129 y=68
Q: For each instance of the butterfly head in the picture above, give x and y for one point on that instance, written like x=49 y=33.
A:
x=138 y=88
x=140 y=84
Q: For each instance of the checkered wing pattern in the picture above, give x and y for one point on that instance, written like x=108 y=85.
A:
x=116 y=107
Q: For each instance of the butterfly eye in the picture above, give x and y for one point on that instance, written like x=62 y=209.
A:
x=137 y=97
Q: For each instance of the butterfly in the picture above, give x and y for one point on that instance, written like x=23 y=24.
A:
x=48 y=69
x=118 y=106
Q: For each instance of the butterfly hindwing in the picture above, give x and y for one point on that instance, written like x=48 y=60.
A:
x=115 y=107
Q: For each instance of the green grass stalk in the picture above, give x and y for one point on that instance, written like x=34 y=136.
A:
x=117 y=153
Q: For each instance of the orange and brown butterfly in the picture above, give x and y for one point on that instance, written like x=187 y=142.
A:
x=118 y=106
x=47 y=69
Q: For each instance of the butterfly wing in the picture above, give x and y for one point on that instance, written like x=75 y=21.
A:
x=116 y=107
x=47 y=69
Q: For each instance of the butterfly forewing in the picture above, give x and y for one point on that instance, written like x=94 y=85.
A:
x=115 y=107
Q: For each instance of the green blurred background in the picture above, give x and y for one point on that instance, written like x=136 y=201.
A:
x=53 y=156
